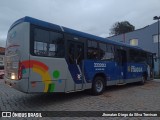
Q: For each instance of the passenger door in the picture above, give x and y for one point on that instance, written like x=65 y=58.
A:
x=121 y=68
x=75 y=56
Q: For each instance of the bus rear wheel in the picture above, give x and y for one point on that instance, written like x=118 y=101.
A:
x=143 y=80
x=98 y=85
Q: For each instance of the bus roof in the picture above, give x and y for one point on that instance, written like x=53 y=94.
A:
x=68 y=30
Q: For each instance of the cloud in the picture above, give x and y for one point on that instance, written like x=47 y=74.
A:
x=2 y=40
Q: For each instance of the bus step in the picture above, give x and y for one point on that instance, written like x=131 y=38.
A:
x=121 y=83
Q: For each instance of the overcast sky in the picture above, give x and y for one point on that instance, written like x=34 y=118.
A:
x=91 y=16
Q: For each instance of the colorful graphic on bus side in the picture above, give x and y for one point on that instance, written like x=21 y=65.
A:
x=42 y=70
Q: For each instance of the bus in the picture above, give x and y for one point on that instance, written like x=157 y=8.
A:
x=42 y=57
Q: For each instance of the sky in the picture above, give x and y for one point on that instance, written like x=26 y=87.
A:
x=91 y=16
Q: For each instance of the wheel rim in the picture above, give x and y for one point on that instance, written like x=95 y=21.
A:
x=99 y=85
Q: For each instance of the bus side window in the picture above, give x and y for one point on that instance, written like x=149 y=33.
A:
x=48 y=43
x=106 y=52
x=56 y=48
x=103 y=52
x=137 y=56
x=93 y=51
x=41 y=38
x=80 y=53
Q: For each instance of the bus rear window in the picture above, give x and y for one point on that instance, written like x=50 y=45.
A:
x=48 y=43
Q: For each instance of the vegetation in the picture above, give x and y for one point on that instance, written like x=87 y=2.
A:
x=121 y=28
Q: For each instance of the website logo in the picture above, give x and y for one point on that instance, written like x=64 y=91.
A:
x=6 y=114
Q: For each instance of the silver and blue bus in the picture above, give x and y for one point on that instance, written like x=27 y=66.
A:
x=42 y=57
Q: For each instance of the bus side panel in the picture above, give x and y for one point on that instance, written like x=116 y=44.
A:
x=108 y=68
x=49 y=75
x=114 y=73
x=134 y=71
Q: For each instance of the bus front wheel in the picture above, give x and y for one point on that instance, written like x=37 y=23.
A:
x=98 y=85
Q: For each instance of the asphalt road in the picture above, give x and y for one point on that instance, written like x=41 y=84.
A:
x=131 y=97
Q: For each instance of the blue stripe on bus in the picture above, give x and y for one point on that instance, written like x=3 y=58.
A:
x=112 y=70
x=36 y=22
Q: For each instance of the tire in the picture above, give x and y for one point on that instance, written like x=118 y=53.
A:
x=144 y=78
x=98 y=85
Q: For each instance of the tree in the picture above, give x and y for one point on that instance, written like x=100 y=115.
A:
x=121 y=28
